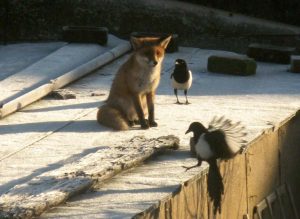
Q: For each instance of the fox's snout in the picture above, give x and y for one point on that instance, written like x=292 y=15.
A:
x=153 y=63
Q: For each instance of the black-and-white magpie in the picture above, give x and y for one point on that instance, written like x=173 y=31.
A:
x=223 y=139
x=181 y=78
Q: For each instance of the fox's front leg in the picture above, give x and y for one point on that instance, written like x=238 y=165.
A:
x=139 y=110
x=150 y=104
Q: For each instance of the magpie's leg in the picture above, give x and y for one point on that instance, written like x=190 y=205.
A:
x=175 y=92
x=191 y=167
x=186 y=99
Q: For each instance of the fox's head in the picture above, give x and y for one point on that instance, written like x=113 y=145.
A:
x=150 y=50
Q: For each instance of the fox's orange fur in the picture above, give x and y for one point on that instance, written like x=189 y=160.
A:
x=131 y=96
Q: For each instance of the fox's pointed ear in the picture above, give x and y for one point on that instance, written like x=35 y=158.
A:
x=136 y=43
x=164 y=43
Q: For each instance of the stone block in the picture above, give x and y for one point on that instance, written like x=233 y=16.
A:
x=234 y=65
x=295 y=64
x=85 y=34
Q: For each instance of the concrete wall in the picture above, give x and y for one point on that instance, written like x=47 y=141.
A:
x=270 y=161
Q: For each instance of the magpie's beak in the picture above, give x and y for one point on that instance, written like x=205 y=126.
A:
x=188 y=131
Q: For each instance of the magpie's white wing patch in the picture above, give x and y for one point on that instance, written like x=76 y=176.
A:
x=190 y=79
x=234 y=132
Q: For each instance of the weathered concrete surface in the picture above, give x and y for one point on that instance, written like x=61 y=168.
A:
x=54 y=133
x=15 y=57
x=54 y=187
x=136 y=190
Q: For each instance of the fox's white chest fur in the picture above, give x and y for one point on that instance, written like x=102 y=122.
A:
x=148 y=79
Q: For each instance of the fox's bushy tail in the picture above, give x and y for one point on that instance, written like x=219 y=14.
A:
x=111 y=117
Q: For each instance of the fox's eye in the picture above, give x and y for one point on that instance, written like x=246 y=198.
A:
x=158 y=53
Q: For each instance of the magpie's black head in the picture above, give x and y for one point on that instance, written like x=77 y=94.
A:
x=197 y=128
x=180 y=62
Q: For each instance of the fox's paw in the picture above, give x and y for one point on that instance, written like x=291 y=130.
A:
x=144 y=124
x=131 y=123
x=153 y=124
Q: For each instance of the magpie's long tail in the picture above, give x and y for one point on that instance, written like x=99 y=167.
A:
x=215 y=185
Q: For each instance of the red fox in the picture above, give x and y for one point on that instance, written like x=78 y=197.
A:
x=131 y=96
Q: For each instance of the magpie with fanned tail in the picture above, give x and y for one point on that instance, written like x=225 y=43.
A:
x=223 y=139
x=181 y=78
